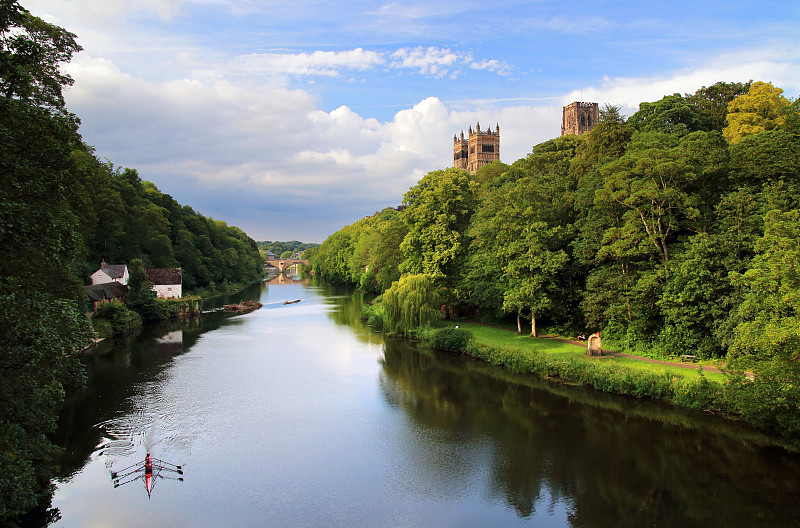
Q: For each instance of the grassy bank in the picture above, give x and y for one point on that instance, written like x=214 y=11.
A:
x=565 y=362
x=558 y=350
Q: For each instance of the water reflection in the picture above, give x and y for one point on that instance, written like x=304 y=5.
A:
x=124 y=375
x=347 y=305
x=606 y=468
x=298 y=415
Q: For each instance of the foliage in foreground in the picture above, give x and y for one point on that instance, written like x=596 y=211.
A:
x=42 y=327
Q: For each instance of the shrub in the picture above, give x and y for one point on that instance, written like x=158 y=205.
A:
x=121 y=319
x=372 y=314
x=101 y=327
x=452 y=339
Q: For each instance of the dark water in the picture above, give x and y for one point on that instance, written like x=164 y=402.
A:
x=296 y=415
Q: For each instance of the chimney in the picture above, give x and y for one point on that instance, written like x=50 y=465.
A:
x=102 y=263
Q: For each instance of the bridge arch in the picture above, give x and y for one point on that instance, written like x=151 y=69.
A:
x=283 y=264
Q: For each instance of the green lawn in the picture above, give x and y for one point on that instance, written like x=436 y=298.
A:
x=560 y=350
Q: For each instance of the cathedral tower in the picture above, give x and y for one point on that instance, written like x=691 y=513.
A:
x=579 y=118
x=477 y=149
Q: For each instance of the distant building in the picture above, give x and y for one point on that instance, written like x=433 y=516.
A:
x=477 y=149
x=167 y=282
x=579 y=118
x=110 y=273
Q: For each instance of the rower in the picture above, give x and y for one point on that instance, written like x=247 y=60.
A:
x=148 y=464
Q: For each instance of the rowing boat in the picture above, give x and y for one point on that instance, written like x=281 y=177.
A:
x=149 y=473
x=148 y=482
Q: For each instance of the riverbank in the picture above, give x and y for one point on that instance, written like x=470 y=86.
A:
x=562 y=348
x=696 y=386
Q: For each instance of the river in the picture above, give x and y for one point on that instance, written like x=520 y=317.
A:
x=298 y=415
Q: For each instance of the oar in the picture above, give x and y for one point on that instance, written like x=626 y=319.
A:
x=167 y=463
x=123 y=475
x=178 y=471
x=125 y=469
x=117 y=482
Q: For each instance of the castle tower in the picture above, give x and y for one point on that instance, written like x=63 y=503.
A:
x=478 y=149
x=579 y=118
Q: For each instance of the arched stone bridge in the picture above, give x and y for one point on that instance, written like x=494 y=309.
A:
x=283 y=264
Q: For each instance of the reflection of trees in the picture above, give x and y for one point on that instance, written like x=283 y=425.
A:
x=612 y=464
x=347 y=305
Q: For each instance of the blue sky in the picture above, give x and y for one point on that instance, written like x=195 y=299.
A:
x=291 y=119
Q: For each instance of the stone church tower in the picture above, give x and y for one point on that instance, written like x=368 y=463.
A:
x=476 y=150
x=579 y=118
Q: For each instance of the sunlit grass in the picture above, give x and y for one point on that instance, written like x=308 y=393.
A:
x=507 y=338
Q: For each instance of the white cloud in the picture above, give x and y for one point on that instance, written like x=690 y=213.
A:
x=492 y=65
x=426 y=61
x=432 y=61
x=316 y=63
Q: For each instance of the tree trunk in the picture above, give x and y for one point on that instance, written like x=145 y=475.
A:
x=519 y=325
x=533 y=326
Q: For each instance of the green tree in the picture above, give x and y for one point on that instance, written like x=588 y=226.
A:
x=649 y=182
x=672 y=114
x=712 y=102
x=31 y=54
x=695 y=299
x=767 y=341
x=42 y=326
x=412 y=302
x=438 y=212
x=760 y=109
x=520 y=233
x=140 y=298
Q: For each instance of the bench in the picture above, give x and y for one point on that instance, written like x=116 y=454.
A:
x=690 y=358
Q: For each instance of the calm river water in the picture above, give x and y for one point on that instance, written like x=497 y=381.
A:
x=297 y=415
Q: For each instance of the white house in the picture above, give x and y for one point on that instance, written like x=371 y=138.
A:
x=110 y=273
x=167 y=282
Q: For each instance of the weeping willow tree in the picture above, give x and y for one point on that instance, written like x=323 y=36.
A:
x=410 y=303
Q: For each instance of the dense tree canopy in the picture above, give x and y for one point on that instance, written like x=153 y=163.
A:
x=41 y=325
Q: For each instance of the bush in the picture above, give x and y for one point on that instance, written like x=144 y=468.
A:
x=372 y=315
x=101 y=327
x=147 y=306
x=122 y=320
x=452 y=339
